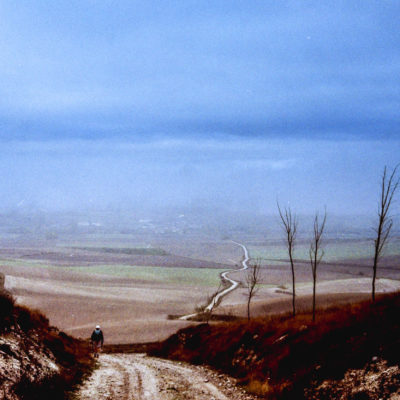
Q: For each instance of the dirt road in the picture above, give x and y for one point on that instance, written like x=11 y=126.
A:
x=224 y=278
x=138 y=377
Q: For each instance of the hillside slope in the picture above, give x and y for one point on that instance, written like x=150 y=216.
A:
x=36 y=360
x=286 y=358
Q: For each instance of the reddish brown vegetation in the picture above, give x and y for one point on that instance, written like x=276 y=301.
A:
x=6 y=310
x=278 y=357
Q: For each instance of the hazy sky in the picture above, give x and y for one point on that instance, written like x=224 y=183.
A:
x=233 y=103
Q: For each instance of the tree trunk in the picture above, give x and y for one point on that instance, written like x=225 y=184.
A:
x=313 y=300
x=374 y=275
x=293 y=287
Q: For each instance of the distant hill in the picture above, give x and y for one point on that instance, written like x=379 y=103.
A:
x=351 y=352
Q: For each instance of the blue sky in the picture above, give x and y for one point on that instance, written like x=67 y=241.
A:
x=175 y=102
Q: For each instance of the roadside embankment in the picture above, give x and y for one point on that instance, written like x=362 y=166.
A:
x=37 y=361
x=285 y=358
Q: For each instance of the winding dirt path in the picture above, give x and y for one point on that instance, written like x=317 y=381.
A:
x=138 y=377
x=224 y=278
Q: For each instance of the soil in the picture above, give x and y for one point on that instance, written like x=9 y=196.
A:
x=377 y=380
x=138 y=377
x=134 y=311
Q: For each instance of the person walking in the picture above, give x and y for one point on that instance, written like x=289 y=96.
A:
x=97 y=341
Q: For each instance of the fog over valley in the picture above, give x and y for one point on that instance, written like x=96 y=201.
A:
x=230 y=173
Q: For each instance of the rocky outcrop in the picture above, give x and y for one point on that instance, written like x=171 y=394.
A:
x=37 y=361
x=377 y=380
x=24 y=362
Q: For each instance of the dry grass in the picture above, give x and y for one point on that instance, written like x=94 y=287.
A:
x=277 y=356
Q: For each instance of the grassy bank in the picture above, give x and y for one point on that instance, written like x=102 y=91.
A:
x=277 y=357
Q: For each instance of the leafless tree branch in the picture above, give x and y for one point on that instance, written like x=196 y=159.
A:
x=252 y=282
x=289 y=224
x=316 y=253
x=389 y=186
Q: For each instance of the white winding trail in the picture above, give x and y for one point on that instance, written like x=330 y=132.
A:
x=224 y=277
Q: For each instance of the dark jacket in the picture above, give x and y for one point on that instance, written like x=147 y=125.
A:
x=97 y=337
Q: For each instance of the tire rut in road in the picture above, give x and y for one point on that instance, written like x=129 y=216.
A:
x=147 y=384
x=186 y=381
x=138 y=377
x=109 y=381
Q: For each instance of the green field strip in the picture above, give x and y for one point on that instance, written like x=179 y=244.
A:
x=208 y=277
x=171 y=275
x=335 y=251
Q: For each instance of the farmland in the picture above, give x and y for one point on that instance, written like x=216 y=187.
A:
x=130 y=283
x=335 y=250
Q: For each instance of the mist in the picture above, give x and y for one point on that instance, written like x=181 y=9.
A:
x=230 y=173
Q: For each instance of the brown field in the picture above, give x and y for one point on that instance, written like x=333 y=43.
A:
x=81 y=283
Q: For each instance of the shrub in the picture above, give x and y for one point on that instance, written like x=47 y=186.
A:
x=48 y=389
x=29 y=319
x=6 y=310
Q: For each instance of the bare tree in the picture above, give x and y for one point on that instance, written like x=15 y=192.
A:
x=206 y=311
x=289 y=223
x=389 y=185
x=252 y=281
x=316 y=253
